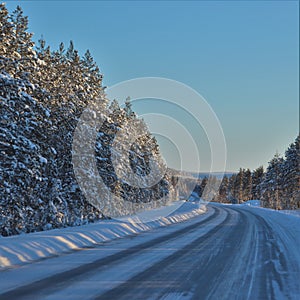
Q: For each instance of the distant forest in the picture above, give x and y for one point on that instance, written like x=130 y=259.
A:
x=277 y=187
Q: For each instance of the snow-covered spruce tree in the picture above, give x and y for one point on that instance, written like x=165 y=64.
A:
x=223 y=191
x=247 y=185
x=277 y=188
x=203 y=185
x=6 y=31
x=272 y=184
x=68 y=99
x=257 y=179
x=291 y=177
x=231 y=184
x=71 y=83
x=128 y=107
x=23 y=180
x=92 y=76
x=238 y=192
x=280 y=185
x=34 y=197
x=19 y=52
x=22 y=148
x=122 y=125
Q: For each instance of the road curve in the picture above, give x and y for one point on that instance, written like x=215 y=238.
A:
x=241 y=261
x=232 y=254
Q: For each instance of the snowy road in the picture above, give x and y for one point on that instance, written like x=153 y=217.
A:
x=231 y=252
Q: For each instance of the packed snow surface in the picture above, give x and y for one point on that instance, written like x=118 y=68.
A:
x=17 y=250
x=228 y=252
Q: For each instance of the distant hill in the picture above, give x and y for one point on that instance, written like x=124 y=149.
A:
x=201 y=175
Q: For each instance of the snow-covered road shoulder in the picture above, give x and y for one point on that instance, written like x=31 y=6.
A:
x=22 y=249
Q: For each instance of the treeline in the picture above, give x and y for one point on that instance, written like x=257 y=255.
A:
x=43 y=93
x=277 y=187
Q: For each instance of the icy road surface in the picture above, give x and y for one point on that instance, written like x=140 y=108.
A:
x=231 y=252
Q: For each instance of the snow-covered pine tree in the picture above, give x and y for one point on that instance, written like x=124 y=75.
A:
x=23 y=147
x=257 y=179
x=203 y=185
x=223 y=191
x=38 y=199
x=114 y=107
x=272 y=184
x=291 y=176
x=128 y=107
x=21 y=45
x=238 y=191
x=92 y=75
x=6 y=34
x=247 y=185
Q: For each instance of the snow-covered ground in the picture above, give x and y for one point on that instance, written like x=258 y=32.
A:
x=295 y=213
x=256 y=203
x=252 y=203
x=22 y=249
x=228 y=252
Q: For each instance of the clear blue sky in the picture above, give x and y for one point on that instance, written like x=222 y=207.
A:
x=243 y=57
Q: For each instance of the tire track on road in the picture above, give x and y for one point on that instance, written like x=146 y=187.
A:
x=66 y=278
x=138 y=286
x=273 y=261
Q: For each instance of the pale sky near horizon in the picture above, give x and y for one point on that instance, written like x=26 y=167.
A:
x=241 y=56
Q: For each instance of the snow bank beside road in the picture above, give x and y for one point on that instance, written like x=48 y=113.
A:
x=295 y=213
x=257 y=203
x=252 y=203
x=18 y=250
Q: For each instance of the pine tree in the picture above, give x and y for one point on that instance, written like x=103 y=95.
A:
x=114 y=107
x=291 y=176
x=44 y=75
x=223 y=191
x=128 y=107
x=6 y=33
x=93 y=77
x=203 y=185
x=238 y=191
x=21 y=45
x=272 y=185
x=70 y=55
x=257 y=179
x=247 y=185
